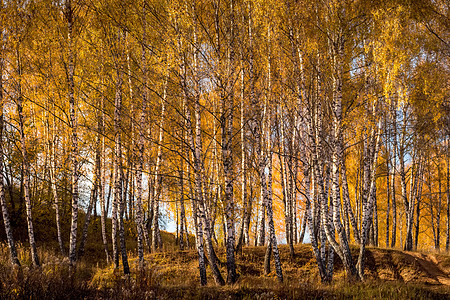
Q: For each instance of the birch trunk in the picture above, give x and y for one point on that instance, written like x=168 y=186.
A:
x=87 y=218
x=116 y=163
x=213 y=260
x=248 y=217
x=388 y=181
x=310 y=193
x=201 y=201
x=267 y=190
x=344 y=249
x=93 y=198
x=227 y=159
x=118 y=180
x=74 y=140
x=139 y=168
x=368 y=204
x=123 y=248
x=418 y=201
x=52 y=153
x=438 y=211
x=194 y=141
x=330 y=216
x=347 y=204
x=182 y=210
x=286 y=188
x=416 y=167
x=25 y=167
x=407 y=204
x=8 y=230
x=447 y=242
x=308 y=141
x=201 y=217
x=241 y=238
x=267 y=257
x=262 y=163
x=261 y=235
x=156 y=241
x=142 y=233
x=199 y=244
x=394 y=167
x=102 y=181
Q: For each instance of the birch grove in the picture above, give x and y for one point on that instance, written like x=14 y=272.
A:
x=231 y=123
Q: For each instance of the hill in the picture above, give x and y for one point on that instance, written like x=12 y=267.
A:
x=173 y=274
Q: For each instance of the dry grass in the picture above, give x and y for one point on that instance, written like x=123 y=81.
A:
x=391 y=274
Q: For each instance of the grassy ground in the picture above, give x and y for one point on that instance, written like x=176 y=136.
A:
x=173 y=274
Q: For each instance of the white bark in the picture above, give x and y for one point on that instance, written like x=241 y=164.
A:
x=25 y=165
x=73 y=125
x=156 y=241
x=368 y=204
x=101 y=183
x=5 y=214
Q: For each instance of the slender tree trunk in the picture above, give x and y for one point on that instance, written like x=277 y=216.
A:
x=141 y=232
x=116 y=164
x=52 y=153
x=74 y=140
x=5 y=214
x=347 y=204
x=261 y=234
x=267 y=189
x=125 y=186
x=183 y=230
x=156 y=241
x=115 y=202
x=267 y=257
x=388 y=181
x=332 y=219
x=25 y=168
x=241 y=238
x=199 y=243
x=226 y=92
x=431 y=204
x=310 y=193
x=248 y=217
x=415 y=174
x=438 y=210
x=93 y=199
x=375 y=218
x=119 y=204
x=418 y=201
x=408 y=204
x=123 y=248
x=9 y=183
x=189 y=182
x=201 y=201
x=309 y=166
x=262 y=163
x=368 y=204
x=198 y=202
x=102 y=181
x=447 y=242
x=194 y=141
x=287 y=195
x=303 y=228
x=394 y=167
x=227 y=159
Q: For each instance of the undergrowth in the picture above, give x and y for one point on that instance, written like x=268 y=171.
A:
x=174 y=275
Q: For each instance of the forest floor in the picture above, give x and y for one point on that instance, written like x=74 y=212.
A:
x=173 y=274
